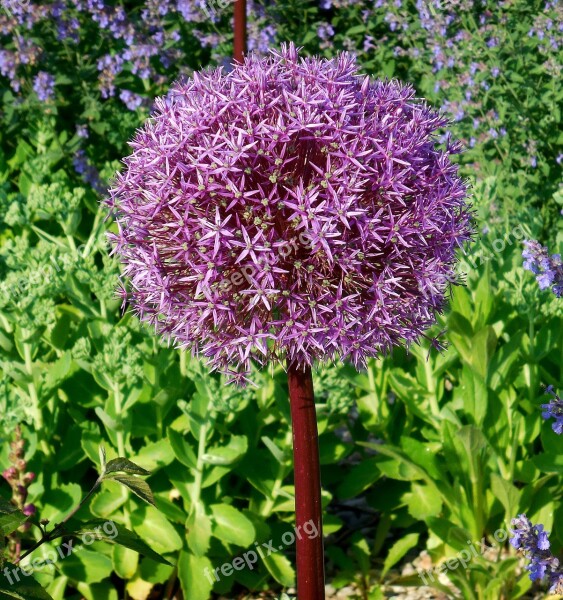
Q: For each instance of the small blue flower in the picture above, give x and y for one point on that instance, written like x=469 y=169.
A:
x=532 y=541
x=554 y=410
x=547 y=268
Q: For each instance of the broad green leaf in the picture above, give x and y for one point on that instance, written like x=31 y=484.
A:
x=424 y=501
x=155 y=529
x=280 y=569
x=423 y=454
x=332 y=450
x=125 y=561
x=155 y=455
x=106 y=502
x=60 y=501
x=483 y=346
x=196 y=576
x=398 y=550
x=198 y=530
x=232 y=526
x=182 y=450
x=104 y=590
x=508 y=495
x=229 y=454
x=549 y=463
x=449 y=533
x=86 y=565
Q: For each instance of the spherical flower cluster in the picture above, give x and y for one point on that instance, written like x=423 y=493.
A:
x=290 y=209
x=533 y=541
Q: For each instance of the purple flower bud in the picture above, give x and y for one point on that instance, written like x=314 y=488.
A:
x=29 y=510
x=10 y=474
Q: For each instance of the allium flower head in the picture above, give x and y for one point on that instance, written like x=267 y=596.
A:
x=289 y=209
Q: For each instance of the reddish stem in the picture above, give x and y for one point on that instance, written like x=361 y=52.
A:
x=308 y=509
x=240 y=31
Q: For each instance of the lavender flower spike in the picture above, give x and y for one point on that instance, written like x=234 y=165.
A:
x=547 y=268
x=533 y=542
x=44 y=86
x=292 y=210
x=554 y=409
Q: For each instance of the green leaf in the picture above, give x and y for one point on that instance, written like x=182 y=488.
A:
x=105 y=503
x=123 y=465
x=86 y=565
x=10 y=522
x=182 y=450
x=6 y=507
x=549 y=463
x=198 y=530
x=229 y=454
x=276 y=452
x=443 y=529
x=113 y=533
x=155 y=529
x=507 y=494
x=196 y=576
x=59 y=502
x=280 y=569
x=155 y=455
x=230 y=525
x=398 y=551
x=137 y=486
x=23 y=586
x=424 y=455
x=125 y=562
x=359 y=478
x=424 y=501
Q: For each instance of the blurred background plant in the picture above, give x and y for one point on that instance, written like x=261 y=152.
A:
x=420 y=453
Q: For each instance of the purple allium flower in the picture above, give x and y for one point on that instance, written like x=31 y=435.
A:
x=533 y=542
x=547 y=268
x=554 y=409
x=290 y=209
x=44 y=86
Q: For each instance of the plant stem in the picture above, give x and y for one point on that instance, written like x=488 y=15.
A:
x=240 y=31
x=308 y=509
x=56 y=532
